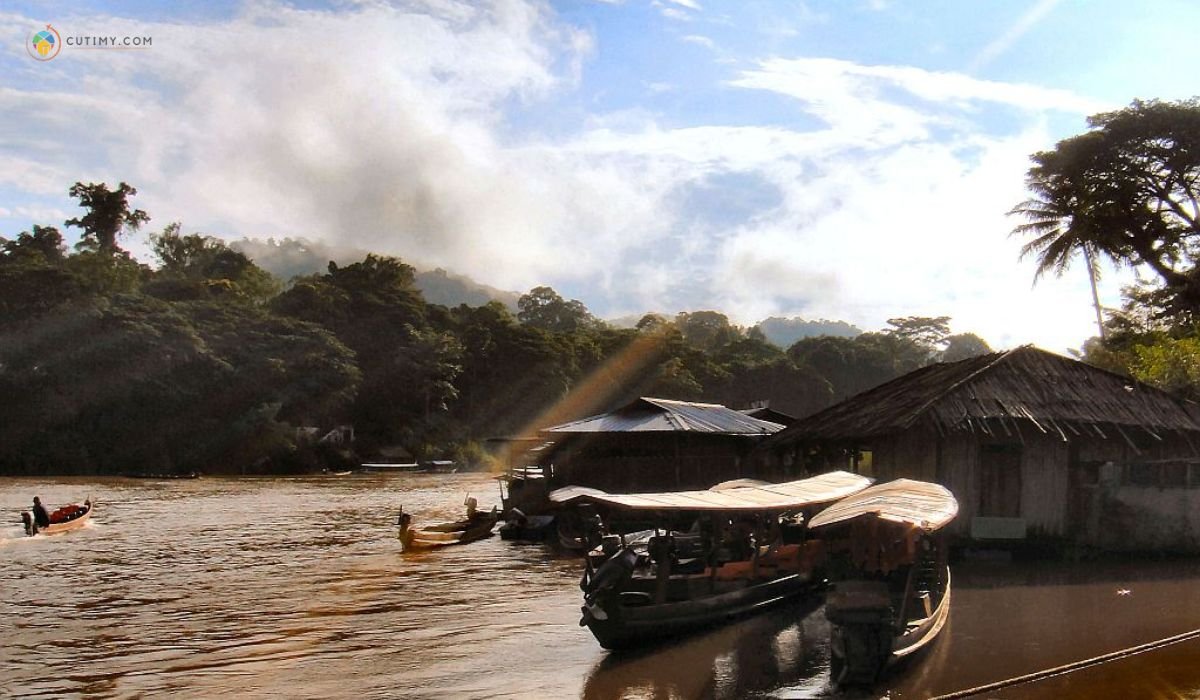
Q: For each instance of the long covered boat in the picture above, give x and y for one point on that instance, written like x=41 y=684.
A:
x=891 y=590
x=744 y=550
x=69 y=517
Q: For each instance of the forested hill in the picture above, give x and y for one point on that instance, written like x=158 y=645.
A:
x=209 y=362
x=213 y=362
x=293 y=257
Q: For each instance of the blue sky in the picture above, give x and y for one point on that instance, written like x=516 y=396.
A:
x=849 y=160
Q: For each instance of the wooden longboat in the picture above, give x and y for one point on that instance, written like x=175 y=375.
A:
x=891 y=589
x=736 y=560
x=64 y=519
x=475 y=526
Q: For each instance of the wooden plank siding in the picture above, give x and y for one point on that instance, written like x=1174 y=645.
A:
x=1100 y=506
x=954 y=462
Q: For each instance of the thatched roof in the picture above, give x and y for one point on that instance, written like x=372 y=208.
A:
x=665 y=415
x=999 y=394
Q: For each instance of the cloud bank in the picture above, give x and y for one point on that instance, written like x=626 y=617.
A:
x=404 y=128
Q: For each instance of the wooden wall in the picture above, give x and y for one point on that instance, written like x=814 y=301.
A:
x=640 y=462
x=954 y=461
x=1065 y=492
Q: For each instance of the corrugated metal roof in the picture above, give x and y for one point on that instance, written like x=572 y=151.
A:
x=790 y=495
x=992 y=393
x=918 y=503
x=665 y=415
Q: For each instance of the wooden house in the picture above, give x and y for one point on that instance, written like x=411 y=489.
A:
x=1032 y=444
x=655 y=445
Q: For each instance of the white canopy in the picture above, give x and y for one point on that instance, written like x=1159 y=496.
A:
x=918 y=503
x=790 y=495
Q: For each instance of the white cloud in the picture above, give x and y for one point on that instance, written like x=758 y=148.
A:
x=700 y=40
x=827 y=84
x=271 y=124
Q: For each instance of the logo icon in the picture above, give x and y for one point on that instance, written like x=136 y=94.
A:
x=44 y=44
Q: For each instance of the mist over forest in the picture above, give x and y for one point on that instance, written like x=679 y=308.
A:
x=241 y=357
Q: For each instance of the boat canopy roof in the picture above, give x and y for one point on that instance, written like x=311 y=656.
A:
x=919 y=503
x=790 y=495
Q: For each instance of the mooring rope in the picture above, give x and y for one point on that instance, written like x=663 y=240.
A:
x=1067 y=668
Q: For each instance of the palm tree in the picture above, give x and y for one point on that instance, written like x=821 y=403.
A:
x=1058 y=234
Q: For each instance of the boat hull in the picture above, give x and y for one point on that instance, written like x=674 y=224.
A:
x=864 y=640
x=447 y=534
x=59 y=528
x=625 y=626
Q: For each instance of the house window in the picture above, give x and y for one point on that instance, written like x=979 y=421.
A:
x=1000 y=481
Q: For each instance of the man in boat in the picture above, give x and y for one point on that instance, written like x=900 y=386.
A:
x=41 y=519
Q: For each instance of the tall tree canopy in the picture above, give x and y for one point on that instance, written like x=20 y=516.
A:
x=108 y=215
x=1128 y=189
x=544 y=308
x=198 y=267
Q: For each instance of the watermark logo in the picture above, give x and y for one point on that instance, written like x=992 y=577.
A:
x=44 y=44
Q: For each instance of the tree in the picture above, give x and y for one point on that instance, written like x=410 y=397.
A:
x=33 y=277
x=198 y=267
x=926 y=331
x=1128 y=190
x=544 y=308
x=43 y=246
x=912 y=341
x=706 y=330
x=964 y=346
x=850 y=365
x=1171 y=364
x=108 y=215
x=131 y=383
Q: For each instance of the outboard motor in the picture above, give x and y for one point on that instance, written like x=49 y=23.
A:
x=614 y=572
x=30 y=525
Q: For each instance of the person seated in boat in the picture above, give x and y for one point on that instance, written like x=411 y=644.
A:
x=40 y=517
x=738 y=539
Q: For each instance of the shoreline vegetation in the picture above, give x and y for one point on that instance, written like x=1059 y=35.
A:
x=210 y=363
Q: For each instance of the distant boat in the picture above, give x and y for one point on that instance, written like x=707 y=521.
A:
x=67 y=518
x=163 y=475
x=894 y=595
x=745 y=551
x=391 y=467
x=475 y=526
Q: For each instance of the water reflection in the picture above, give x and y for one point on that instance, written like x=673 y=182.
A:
x=285 y=587
x=738 y=660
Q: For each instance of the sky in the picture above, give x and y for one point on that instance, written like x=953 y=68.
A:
x=829 y=159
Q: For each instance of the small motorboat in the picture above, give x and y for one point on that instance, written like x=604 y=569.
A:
x=69 y=517
x=475 y=526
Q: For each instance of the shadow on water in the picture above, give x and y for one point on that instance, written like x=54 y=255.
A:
x=747 y=658
x=270 y=588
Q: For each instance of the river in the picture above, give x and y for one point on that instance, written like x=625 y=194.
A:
x=295 y=587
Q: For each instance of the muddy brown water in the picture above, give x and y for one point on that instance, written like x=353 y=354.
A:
x=257 y=588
